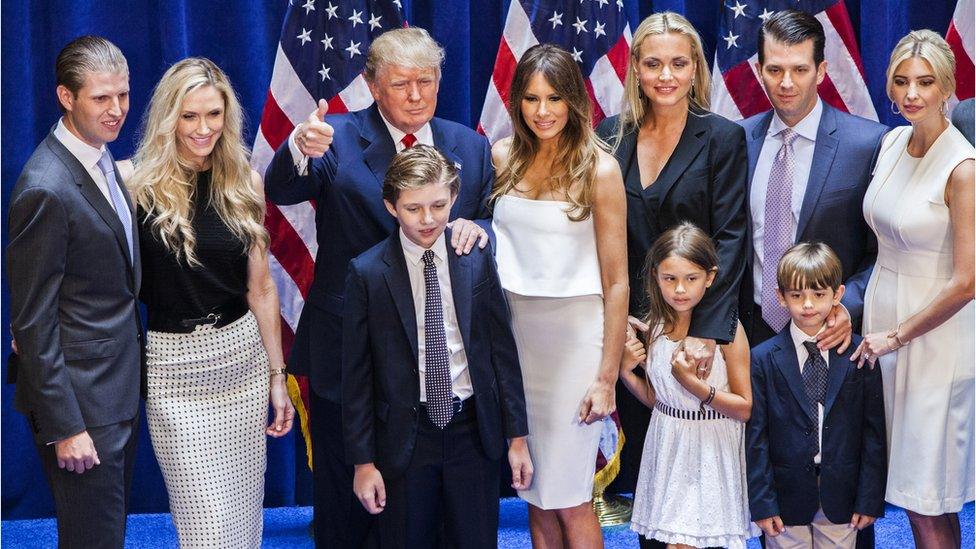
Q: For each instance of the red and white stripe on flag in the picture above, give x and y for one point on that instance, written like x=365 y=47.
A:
x=962 y=39
x=604 y=82
x=738 y=93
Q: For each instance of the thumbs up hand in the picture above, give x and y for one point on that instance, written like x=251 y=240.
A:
x=314 y=135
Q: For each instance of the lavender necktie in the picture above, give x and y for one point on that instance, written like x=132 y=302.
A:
x=777 y=228
x=437 y=375
x=118 y=201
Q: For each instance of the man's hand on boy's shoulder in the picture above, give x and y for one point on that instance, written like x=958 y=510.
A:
x=464 y=234
x=772 y=526
x=838 y=332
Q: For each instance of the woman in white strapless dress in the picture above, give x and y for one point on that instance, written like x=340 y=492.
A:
x=560 y=226
x=918 y=306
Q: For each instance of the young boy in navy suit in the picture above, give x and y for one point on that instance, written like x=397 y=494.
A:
x=815 y=444
x=431 y=384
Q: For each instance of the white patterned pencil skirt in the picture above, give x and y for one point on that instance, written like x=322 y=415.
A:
x=207 y=407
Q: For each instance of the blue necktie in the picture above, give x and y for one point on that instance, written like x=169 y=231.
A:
x=118 y=201
x=437 y=376
x=815 y=379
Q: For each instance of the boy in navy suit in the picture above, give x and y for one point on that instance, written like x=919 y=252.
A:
x=431 y=384
x=815 y=444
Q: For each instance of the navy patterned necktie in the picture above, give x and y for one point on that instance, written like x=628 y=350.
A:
x=437 y=376
x=815 y=378
x=777 y=228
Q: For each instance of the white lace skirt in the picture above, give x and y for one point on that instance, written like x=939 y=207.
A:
x=207 y=409
x=692 y=483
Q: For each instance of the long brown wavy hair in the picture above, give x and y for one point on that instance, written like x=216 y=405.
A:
x=579 y=147
x=688 y=242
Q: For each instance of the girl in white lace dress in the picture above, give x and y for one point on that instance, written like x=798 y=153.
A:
x=691 y=491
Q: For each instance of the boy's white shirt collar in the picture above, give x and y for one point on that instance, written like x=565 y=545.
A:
x=414 y=253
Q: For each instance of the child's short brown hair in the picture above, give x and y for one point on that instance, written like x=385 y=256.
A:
x=809 y=265
x=416 y=167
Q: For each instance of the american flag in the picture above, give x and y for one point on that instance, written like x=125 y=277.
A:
x=321 y=55
x=597 y=35
x=962 y=39
x=737 y=91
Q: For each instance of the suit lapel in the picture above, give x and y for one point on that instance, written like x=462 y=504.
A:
x=785 y=358
x=379 y=149
x=823 y=157
x=398 y=281
x=839 y=365
x=688 y=147
x=626 y=152
x=459 y=269
x=89 y=189
x=754 y=145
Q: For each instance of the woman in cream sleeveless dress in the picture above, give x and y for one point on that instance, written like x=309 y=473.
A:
x=560 y=227
x=917 y=315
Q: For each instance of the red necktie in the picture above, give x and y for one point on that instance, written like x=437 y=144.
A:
x=408 y=140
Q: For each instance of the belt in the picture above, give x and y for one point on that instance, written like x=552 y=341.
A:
x=218 y=317
x=457 y=403
x=687 y=414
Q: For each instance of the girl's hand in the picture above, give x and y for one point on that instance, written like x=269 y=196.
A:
x=284 y=411
x=871 y=347
x=684 y=368
x=599 y=402
x=634 y=353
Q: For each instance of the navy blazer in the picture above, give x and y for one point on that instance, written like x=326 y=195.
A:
x=704 y=182
x=350 y=218
x=843 y=158
x=380 y=379
x=781 y=439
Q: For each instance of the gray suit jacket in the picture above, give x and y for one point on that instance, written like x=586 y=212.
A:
x=962 y=118
x=74 y=289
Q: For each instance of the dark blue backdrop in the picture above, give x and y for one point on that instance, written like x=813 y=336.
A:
x=241 y=36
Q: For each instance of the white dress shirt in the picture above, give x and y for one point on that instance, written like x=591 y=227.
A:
x=87 y=155
x=801 y=356
x=803 y=148
x=424 y=135
x=460 y=377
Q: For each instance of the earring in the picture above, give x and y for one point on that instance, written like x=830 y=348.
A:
x=894 y=108
x=945 y=108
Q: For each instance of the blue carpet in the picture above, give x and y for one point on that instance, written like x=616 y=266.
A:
x=288 y=527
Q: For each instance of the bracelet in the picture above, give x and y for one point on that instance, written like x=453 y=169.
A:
x=894 y=335
x=707 y=401
x=277 y=371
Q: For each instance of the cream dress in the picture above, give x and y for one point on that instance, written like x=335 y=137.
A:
x=928 y=385
x=549 y=269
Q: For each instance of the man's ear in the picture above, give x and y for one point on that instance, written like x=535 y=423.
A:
x=390 y=207
x=65 y=97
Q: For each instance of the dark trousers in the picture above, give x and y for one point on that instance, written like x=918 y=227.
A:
x=91 y=507
x=341 y=522
x=449 y=490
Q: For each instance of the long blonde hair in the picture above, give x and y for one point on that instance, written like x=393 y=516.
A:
x=635 y=103
x=164 y=184
x=579 y=147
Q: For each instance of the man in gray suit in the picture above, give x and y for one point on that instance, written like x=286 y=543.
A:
x=73 y=267
x=962 y=118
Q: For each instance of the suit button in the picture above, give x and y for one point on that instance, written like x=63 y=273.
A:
x=808 y=432
x=415 y=409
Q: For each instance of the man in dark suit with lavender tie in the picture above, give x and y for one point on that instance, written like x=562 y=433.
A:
x=73 y=266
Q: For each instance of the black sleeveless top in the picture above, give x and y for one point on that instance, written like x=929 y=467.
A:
x=171 y=288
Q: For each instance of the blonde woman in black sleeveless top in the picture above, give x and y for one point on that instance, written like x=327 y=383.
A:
x=214 y=359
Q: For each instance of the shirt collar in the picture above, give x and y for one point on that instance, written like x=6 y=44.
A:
x=414 y=253
x=85 y=153
x=799 y=337
x=424 y=135
x=806 y=128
